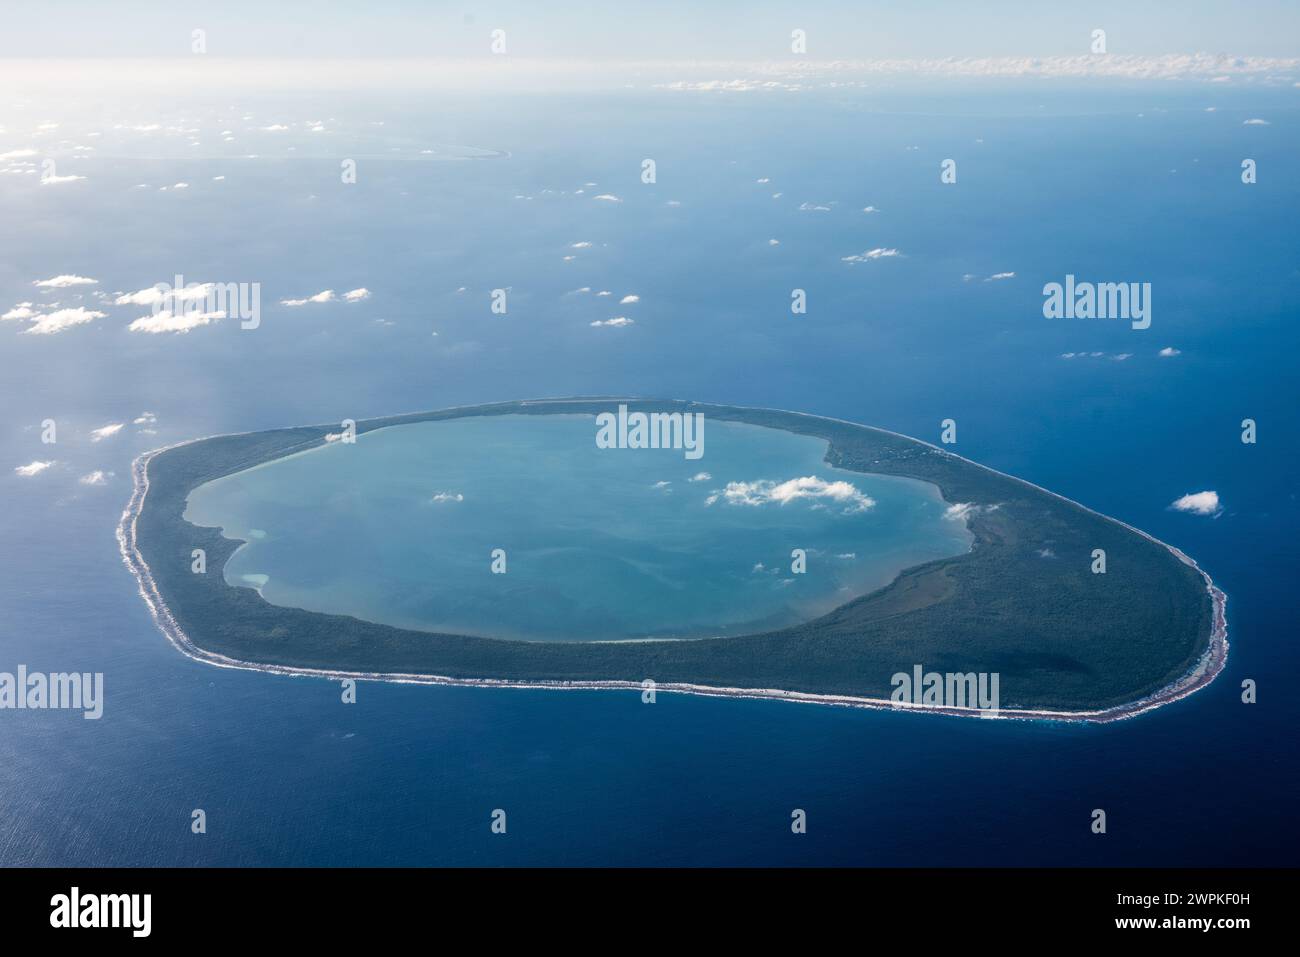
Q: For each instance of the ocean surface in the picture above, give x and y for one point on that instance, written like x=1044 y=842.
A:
x=1117 y=184
x=402 y=526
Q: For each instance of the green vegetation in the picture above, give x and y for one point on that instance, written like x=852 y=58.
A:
x=1023 y=602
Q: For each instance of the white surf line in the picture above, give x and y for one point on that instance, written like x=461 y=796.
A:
x=1207 y=668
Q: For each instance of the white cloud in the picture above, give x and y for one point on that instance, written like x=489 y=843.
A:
x=157 y=295
x=627 y=300
x=17 y=154
x=999 y=276
x=145 y=418
x=274 y=128
x=106 y=431
x=326 y=295
x=63 y=282
x=356 y=295
x=870 y=254
x=1168 y=352
x=608 y=198
x=765 y=492
x=32 y=468
x=700 y=477
x=23 y=310
x=814 y=208
x=774 y=242
x=840 y=74
x=582 y=245
x=97 y=477
x=870 y=209
x=960 y=511
x=166 y=322
x=1197 y=503
x=616 y=321
x=52 y=180
x=61 y=319
x=1256 y=122
x=1115 y=357
x=448 y=497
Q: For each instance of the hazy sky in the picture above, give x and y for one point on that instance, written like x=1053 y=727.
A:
x=676 y=29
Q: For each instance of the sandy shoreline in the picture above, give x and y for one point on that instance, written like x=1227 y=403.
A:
x=1207 y=667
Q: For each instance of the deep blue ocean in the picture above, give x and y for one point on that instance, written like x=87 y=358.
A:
x=1114 y=184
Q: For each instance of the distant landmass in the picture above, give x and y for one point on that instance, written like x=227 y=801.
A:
x=1024 y=603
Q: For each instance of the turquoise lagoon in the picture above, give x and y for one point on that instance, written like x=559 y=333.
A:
x=600 y=544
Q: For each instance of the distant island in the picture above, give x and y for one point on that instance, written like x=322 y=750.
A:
x=1023 y=603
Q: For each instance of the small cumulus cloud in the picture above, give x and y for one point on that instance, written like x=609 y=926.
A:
x=766 y=492
x=65 y=281
x=1114 y=357
x=356 y=295
x=1198 y=503
x=32 y=468
x=870 y=254
x=960 y=511
x=615 y=322
x=1168 y=352
x=61 y=319
x=628 y=300
x=106 y=431
x=23 y=310
x=167 y=322
x=608 y=198
x=97 y=477
x=325 y=295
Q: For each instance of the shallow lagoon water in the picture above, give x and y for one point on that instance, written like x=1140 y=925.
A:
x=600 y=544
